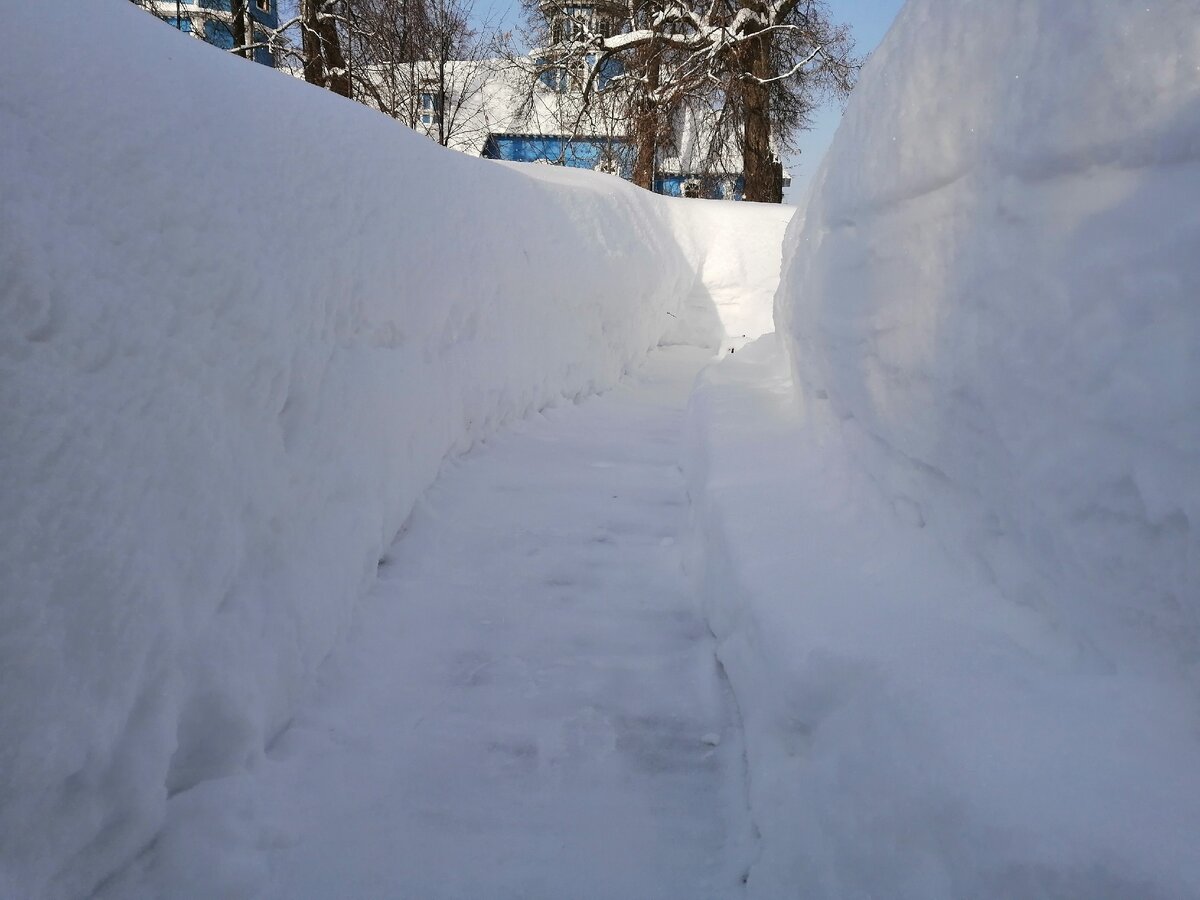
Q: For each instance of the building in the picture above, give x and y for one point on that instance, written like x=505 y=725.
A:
x=531 y=110
x=212 y=21
x=518 y=111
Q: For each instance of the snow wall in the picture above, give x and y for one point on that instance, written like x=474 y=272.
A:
x=953 y=566
x=996 y=288
x=244 y=321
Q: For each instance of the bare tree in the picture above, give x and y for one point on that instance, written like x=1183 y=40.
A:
x=544 y=94
x=421 y=61
x=779 y=76
x=387 y=45
x=455 y=58
x=758 y=66
x=242 y=28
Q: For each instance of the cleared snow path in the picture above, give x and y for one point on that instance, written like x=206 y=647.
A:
x=529 y=704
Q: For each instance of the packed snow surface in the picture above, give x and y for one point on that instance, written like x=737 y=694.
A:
x=245 y=321
x=947 y=523
x=527 y=705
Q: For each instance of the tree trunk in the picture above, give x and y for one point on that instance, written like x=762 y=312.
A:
x=338 y=71
x=764 y=174
x=646 y=127
x=241 y=35
x=323 y=60
x=440 y=110
x=314 y=59
x=644 y=131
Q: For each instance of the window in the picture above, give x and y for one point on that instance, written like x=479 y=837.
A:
x=263 y=5
x=571 y=23
x=431 y=108
x=611 y=68
x=553 y=77
x=576 y=21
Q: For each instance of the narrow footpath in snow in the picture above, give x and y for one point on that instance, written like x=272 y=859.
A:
x=529 y=704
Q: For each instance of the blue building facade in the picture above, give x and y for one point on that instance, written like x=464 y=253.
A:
x=707 y=187
x=613 y=155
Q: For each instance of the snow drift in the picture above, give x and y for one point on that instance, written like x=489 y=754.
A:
x=996 y=287
x=244 y=322
x=738 y=249
x=950 y=550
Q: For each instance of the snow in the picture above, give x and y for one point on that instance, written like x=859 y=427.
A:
x=323 y=568
x=526 y=705
x=738 y=248
x=246 y=322
x=993 y=281
x=945 y=522
x=910 y=731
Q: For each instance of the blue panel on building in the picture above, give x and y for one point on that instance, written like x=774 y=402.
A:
x=711 y=188
x=262 y=55
x=578 y=153
x=707 y=187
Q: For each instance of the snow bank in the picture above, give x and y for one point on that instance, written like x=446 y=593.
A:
x=995 y=285
x=244 y=322
x=909 y=732
x=737 y=249
x=947 y=528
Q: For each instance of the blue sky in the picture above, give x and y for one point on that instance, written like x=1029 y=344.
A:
x=869 y=19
